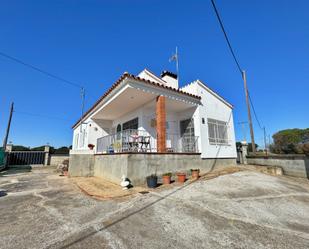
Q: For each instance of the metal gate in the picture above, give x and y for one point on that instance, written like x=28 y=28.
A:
x=2 y=155
x=26 y=157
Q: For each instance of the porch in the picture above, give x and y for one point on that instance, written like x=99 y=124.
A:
x=144 y=119
x=137 y=140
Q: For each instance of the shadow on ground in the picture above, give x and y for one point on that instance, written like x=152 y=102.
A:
x=15 y=169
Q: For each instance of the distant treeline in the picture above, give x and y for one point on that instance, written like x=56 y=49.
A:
x=52 y=150
x=291 y=141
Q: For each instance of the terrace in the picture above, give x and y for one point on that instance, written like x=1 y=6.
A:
x=137 y=140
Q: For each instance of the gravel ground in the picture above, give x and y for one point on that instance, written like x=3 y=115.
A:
x=39 y=209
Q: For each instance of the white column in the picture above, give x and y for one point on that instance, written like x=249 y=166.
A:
x=46 y=150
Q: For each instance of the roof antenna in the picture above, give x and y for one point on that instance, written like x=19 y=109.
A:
x=175 y=58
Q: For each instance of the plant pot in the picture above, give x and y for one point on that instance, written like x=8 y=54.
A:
x=65 y=173
x=181 y=177
x=195 y=174
x=152 y=181
x=91 y=146
x=166 y=180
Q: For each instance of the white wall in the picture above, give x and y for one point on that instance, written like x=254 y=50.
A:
x=212 y=106
x=93 y=132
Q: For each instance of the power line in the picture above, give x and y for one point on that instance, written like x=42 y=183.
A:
x=40 y=70
x=68 y=82
x=226 y=37
x=242 y=74
x=251 y=102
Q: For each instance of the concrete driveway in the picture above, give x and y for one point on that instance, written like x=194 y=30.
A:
x=39 y=209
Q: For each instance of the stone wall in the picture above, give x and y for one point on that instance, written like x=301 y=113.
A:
x=292 y=165
x=55 y=159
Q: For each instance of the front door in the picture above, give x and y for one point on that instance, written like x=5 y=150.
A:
x=187 y=135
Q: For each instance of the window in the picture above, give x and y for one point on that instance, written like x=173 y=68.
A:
x=76 y=141
x=130 y=125
x=187 y=128
x=203 y=120
x=187 y=135
x=118 y=130
x=83 y=137
x=217 y=131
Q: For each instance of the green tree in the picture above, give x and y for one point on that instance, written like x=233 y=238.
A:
x=62 y=150
x=250 y=147
x=289 y=141
x=41 y=148
x=20 y=148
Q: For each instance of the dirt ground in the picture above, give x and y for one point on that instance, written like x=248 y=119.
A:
x=245 y=209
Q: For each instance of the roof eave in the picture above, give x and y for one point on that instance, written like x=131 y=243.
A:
x=129 y=76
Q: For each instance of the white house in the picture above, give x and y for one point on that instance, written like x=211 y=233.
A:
x=148 y=114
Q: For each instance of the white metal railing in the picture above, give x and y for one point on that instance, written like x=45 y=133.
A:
x=142 y=141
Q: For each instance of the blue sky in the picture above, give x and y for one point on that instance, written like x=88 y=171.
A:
x=94 y=42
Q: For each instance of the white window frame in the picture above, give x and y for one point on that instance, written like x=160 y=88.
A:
x=218 y=139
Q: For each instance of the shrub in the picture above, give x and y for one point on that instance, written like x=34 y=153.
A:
x=167 y=174
x=305 y=148
x=194 y=170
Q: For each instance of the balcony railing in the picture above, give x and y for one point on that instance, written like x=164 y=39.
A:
x=142 y=141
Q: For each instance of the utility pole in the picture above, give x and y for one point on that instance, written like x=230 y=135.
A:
x=8 y=127
x=249 y=111
x=265 y=140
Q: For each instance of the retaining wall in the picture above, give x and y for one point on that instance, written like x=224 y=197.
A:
x=81 y=164
x=292 y=165
x=55 y=159
x=138 y=166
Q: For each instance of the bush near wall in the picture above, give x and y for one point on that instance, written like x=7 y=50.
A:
x=291 y=141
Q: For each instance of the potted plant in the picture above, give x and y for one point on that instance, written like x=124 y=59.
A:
x=152 y=181
x=195 y=173
x=91 y=146
x=181 y=177
x=166 y=178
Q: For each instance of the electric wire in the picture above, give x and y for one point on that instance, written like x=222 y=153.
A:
x=40 y=70
x=35 y=68
x=225 y=35
x=255 y=115
x=234 y=56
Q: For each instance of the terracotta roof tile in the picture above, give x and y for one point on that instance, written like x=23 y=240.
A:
x=131 y=76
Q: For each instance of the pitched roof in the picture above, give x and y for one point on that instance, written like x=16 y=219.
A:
x=131 y=76
x=215 y=93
